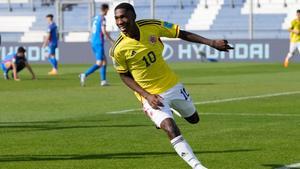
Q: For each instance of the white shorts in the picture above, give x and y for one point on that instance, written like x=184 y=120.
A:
x=293 y=47
x=177 y=98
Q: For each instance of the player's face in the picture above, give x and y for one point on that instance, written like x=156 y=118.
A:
x=124 y=20
x=105 y=11
x=298 y=15
x=21 y=54
x=49 y=20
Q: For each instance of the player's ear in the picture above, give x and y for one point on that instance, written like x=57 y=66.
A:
x=133 y=15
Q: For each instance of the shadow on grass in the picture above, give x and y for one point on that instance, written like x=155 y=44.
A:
x=277 y=166
x=199 y=84
x=60 y=125
x=127 y=155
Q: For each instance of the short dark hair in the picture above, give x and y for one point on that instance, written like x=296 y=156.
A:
x=298 y=11
x=104 y=6
x=49 y=16
x=127 y=7
x=21 y=49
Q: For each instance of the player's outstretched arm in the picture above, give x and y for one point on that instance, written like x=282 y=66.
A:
x=219 y=44
x=30 y=70
x=154 y=100
x=15 y=74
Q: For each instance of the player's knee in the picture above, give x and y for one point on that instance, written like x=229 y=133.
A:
x=194 y=119
x=169 y=126
x=99 y=63
x=290 y=54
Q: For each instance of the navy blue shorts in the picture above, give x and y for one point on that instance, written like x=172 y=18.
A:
x=52 y=49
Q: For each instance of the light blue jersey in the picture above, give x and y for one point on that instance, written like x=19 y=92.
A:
x=97 y=37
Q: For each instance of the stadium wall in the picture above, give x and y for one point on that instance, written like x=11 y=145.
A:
x=175 y=51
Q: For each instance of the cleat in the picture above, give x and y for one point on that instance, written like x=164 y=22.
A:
x=104 y=83
x=82 y=78
x=286 y=63
x=53 y=72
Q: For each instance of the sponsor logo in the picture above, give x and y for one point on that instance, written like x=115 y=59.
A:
x=133 y=53
x=33 y=53
x=192 y=51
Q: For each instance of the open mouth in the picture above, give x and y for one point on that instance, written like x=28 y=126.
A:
x=122 y=28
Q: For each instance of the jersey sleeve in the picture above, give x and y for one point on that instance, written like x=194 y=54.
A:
x=168 y=30
x=119 y=62
x=293 y=24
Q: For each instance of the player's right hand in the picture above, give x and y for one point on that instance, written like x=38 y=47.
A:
x=221 y=45
x=155 y=101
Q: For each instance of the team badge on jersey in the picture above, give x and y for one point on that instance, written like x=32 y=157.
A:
x=152 y=39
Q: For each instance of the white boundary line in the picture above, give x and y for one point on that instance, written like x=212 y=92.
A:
x=222 y=101
x=291 y=166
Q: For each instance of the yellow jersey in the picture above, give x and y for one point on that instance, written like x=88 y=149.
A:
x=143 y=58
x=295 y=25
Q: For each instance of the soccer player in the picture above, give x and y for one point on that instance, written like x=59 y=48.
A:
x=97 y=44
x=16 y=62
x=50 y=43
x=294 y=38
x=137 y=57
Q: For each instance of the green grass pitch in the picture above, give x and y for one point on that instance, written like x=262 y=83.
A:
x=53 y=123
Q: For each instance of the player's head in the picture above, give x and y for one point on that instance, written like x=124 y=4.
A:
x=104 y=9
x=125 y=17
x=298 y=14
x=49 y=18
x=21 y=51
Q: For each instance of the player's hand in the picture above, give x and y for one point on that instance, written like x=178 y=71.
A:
x=155 y=101
x=221 y=45
x=296 y=32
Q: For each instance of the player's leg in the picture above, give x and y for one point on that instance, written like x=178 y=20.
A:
x=290 y=54
x=182 y=104
x=20 y=66
x=93 y=68
x=298 y=46
x=5 y=70
x=163 y=118
x=52 y=60
x=103 y=68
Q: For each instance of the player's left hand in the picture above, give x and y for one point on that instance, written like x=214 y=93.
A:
x=221 y=45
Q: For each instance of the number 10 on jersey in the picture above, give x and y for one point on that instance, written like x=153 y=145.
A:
x=149 y=59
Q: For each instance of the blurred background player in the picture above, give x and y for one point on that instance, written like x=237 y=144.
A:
x=50 y=43
x=16 y=62
x=137 y=57
x=294 y=38
x=97 y=44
